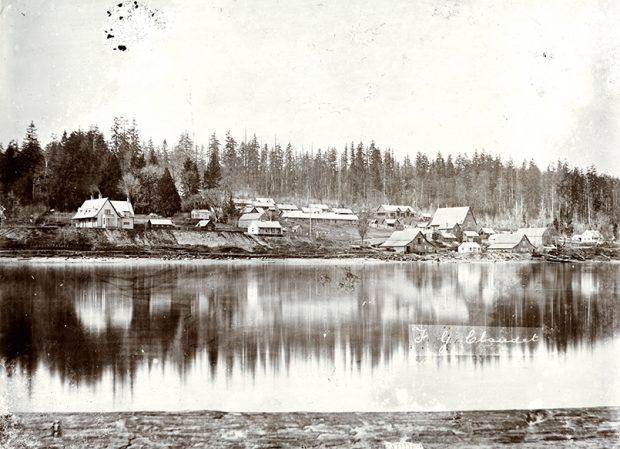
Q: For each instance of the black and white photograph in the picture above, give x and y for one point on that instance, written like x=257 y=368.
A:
x=383 y=224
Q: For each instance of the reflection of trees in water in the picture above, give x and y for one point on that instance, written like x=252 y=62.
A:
x=550 y=297
x=266 y=317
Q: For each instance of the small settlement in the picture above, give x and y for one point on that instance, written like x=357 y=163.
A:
x=412 y=231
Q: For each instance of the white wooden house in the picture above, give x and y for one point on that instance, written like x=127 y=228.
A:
x=469 y=248
x=104 y=213
x=265 y=228
x=201 y=214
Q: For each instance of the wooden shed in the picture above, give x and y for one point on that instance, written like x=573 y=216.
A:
x=410 y=240
x=516 y=243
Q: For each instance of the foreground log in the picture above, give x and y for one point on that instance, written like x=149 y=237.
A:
x=557 y=428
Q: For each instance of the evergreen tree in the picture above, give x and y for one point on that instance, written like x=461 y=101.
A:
x=375 y=167
x=191 y=178
x=213 y=173
x=230 y=160
x=29 y=163
x=290 y=173
x=10 y=171
x=252 y=162
x=168 y=199
x=110 y=177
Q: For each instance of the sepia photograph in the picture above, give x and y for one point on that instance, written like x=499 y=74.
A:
x=383 y=224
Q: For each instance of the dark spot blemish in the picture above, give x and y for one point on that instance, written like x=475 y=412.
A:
x=122 y=47
x=109 y=13
x=545 y=55
x=110 y=36
x=119 y=5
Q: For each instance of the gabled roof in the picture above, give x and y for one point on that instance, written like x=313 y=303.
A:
x=122 y=207
x=508 y=241
x=342 y=210
x=487 y=231
x=391 y=220
x=471 y=234
x=203 y=223
x=249 y=209
x=448 y=235
x=532 y=232
x=447 y=217
x=403 y=238
x=90 y=208
x=266 y=224
x=395 y=208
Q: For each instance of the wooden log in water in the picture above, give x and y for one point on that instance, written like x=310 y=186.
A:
x=557 y=428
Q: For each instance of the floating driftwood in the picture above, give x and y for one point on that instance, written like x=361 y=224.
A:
x=557 y=428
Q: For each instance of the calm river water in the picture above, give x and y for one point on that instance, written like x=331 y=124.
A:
x=311 y=336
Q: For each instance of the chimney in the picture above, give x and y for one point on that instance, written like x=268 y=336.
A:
x=91 y=197
x=100 y=194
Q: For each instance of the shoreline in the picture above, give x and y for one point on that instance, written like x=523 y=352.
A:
x=575 y=427
x=183 y=256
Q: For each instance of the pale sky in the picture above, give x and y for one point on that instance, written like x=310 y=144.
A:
x=528 y=79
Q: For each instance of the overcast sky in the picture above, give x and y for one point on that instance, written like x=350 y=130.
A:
x=528 y=79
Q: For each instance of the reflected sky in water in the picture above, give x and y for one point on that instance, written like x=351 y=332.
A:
x=302 y=336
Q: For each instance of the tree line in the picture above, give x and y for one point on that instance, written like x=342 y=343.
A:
x=168 y=178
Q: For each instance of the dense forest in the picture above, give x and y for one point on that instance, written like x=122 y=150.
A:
x=170 y=177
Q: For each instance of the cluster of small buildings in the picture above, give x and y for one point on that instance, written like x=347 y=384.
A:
x=457 y=228
x=261 y=216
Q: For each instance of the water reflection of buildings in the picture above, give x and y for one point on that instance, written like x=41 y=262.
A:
x=82 y=322
x=100 y=307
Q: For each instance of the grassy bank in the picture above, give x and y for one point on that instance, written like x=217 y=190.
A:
x=557 y=428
